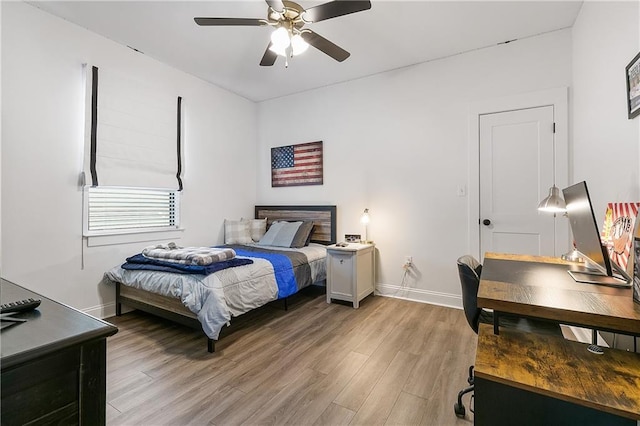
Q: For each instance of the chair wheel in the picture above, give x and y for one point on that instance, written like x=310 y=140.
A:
x=459 y=410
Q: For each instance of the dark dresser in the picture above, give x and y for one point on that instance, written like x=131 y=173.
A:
x=53 y=366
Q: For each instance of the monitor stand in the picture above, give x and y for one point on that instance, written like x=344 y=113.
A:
x=597 y=277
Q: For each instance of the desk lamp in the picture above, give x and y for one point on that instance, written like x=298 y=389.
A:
x=364 y=219
x=573 y=256
x=554 y=203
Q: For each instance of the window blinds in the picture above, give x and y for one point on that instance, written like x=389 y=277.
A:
x=121 y=209
x=133 y=132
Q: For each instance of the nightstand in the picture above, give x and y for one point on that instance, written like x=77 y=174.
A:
x=350 y=272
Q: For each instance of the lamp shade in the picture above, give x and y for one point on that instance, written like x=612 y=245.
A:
x=278 y=50
x=554 y=203
x=280 y=38
x=298 y=44
x=365 y=217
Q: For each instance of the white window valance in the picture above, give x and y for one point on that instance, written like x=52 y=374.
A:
x=132 y=132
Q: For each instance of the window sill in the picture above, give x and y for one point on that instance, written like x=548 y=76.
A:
x=133 y=237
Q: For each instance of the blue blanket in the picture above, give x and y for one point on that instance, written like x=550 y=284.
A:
x=282 y=267
x=139 y=262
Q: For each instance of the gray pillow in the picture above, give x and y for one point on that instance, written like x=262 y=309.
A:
x=280 y=234
x=303 y=236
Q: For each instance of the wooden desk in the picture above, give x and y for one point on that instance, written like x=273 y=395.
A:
x=540 y=287
x=53 y=367
x=532 y=379
x=525 y=378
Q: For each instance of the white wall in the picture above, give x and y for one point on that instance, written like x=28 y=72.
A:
x=396 y=143
x=606 y=144
x=42 y=143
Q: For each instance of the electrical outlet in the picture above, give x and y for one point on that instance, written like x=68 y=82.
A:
x=408 y=262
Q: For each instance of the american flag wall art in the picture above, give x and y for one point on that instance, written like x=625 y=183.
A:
x=295 y=165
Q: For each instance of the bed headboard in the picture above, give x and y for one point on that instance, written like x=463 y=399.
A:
x=324 y=219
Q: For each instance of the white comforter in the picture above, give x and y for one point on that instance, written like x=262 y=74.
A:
x=217 y=297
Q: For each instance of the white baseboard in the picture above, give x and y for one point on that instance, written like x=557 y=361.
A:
x=102 y=311
x=418 y=295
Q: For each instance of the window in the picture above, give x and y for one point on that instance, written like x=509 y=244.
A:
x=120 y=210
x=133 y=159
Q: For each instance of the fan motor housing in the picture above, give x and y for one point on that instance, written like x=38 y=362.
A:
x=292 y=14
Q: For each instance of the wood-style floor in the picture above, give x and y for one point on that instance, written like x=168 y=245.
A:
x=390 y=362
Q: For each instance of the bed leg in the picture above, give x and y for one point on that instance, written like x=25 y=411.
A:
x=118 y=304
x=211 y=345
x=286 y=305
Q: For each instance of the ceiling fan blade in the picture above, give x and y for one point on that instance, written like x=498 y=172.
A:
x=248 y=22
x=276 y=5
x=334 y=9
x=324 y=45
x=269 y=57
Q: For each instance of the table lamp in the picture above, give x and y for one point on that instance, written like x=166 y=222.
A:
x=365 y=219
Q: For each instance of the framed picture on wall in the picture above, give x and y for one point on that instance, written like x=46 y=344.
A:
x=296 y=165
x=632 y=73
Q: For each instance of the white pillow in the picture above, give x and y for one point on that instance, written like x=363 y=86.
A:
x=257 y=228
x=237 y=232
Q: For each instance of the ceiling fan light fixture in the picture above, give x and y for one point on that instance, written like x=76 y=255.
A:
x=280 y=39
x=298 y=45
x=278 y=50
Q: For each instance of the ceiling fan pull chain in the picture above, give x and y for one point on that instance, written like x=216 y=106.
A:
x=288 y=54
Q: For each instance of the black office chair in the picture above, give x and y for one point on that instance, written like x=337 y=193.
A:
x=469 y=270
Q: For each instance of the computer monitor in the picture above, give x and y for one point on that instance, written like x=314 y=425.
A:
x=587 y=240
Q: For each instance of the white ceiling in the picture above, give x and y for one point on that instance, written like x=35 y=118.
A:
x=392 y=34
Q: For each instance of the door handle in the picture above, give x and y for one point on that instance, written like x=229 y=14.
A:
x=486 y=222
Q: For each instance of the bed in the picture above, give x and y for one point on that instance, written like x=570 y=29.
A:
x=210 y=302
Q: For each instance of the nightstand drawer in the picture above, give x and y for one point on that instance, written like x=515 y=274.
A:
x=341 y=267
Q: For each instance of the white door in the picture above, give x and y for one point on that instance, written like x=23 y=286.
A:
x=516 y=172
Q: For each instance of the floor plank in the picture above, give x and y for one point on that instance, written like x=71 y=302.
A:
x=408 y=410
x=376 y=408
x=335 y=415
x=318 y=397
x=389 y=362
x=284 y=403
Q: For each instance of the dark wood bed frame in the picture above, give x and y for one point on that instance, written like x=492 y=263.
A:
x=324 y=232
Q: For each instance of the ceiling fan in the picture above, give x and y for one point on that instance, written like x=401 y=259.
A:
x=288 y=18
